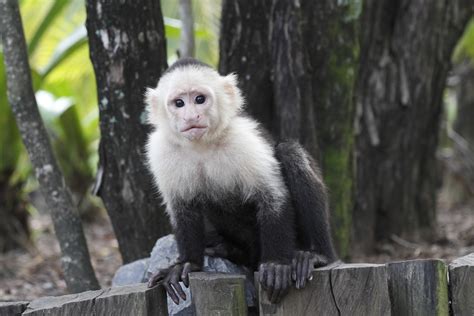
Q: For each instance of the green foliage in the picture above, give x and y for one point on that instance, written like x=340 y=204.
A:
x=64 y=81
x=465 y=46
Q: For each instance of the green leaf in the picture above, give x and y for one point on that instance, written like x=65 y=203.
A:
x=53 y=12
x=67 y=47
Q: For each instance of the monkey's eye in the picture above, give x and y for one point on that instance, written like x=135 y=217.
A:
x=179 y=103
x=200 y=99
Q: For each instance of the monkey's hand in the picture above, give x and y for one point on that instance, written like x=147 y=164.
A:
x=171 y=277
x=303 y=264
x=275 y=279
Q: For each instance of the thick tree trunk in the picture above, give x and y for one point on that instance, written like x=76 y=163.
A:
x=243 y=49
x=406 y=48
x=127 y=48
x=75 y=259
x=296 y=62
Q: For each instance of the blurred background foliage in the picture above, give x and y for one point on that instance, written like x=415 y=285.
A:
x=66 y=89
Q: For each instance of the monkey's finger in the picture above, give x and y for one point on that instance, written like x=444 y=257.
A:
x=278 y=284
x=171 y=292
x=304 y=270
x=299 y=267
x=293 y=268
x=185 y=274
x=262 y=276
x=270 y=281
x=174 y=281
x=286 y=283
x=157 y=277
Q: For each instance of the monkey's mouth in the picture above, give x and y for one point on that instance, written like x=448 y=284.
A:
x=193 y=127
x=193 y=132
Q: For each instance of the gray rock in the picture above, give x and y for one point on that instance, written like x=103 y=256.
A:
x=163 y=255
x=132 y=273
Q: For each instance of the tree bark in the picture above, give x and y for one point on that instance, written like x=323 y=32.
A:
x=296 y=64
x=244 y=49
x=405 y=57
x=127 y=48
x=75 y=259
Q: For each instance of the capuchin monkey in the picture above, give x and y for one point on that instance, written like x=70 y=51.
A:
x=229 y=191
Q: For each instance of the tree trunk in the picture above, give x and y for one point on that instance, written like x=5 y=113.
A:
x=296 y=63
x=405 y=57
x=75 y=259
x=244 y=49
x=127 y=48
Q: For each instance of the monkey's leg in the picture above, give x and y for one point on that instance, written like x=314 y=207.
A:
x=188 y=227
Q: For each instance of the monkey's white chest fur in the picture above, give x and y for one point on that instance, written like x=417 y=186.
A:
x=242 y=162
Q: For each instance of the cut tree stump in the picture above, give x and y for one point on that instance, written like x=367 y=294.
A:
x=218 y=294
x=418 y=287
x=118 y=301
x=461 y=280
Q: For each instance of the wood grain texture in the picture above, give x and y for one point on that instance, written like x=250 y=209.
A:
x=12 y=308
x=218 y=294
x=461 y=279
x=418 y=287
x=361 y=289
x=118 y=301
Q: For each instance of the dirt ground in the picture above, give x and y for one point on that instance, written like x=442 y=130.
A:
x=25 y=275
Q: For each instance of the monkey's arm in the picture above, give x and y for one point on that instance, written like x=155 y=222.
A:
x=188 y=227
x=309 y=197
x=277 y=236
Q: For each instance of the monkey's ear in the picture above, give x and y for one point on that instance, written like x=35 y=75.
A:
x=232 y=91
x=230 y=84
x=152 y=103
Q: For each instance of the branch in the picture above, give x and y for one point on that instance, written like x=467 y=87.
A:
x=186 y=46
x=75 y=258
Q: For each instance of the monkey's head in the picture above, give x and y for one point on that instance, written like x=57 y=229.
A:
x=194 y=102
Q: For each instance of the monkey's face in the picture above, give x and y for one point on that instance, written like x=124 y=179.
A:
x=190 y=110
x=194 y=104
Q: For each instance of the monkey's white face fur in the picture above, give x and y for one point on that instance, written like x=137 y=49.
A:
x=193 y=103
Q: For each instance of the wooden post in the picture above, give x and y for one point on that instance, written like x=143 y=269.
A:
x=461 y=279
x=136 y=300
x=339 y=289
x=218 y=294
x=361 y=289
x=418 y=287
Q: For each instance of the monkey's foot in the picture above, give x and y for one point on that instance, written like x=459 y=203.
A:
x=303 y=264
x=275 y=279
x=171 y=277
